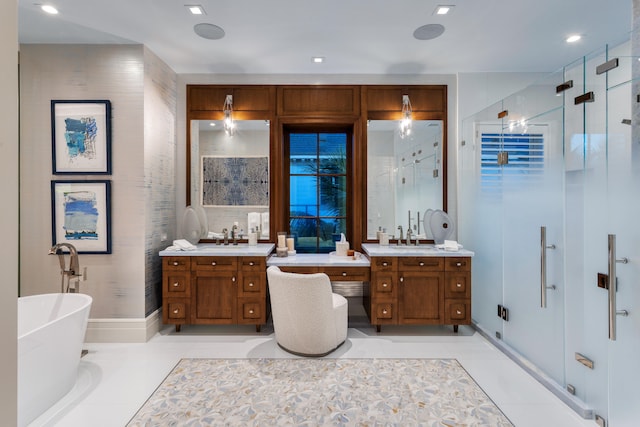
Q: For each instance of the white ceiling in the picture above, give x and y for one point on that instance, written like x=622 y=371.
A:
x=355 y=36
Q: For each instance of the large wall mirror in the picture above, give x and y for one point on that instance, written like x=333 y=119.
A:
x=229 y=176
x=405 y=175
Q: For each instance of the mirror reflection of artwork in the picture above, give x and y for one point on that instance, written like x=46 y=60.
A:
x=235 y=181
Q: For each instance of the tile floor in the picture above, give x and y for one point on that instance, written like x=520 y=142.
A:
x=114 y=380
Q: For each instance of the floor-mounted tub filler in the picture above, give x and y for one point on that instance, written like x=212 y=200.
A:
x=51 y=330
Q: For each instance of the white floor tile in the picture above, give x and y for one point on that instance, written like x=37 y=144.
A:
x=114 y=380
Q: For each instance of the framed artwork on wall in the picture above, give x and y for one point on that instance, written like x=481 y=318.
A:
x=81 y=215
x=81 y=137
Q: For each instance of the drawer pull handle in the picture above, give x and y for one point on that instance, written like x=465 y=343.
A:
x=401 y=279
x=384 y=264
x=175 y=285
x=250 y=311
x=251 y=285
x=458 y=264
x=176 y=263
x=459 y=285
x=233 y=279
x=251 y=263
x=421 y=264
x=344 y=274
x=176 y=311
x=213 y=263
x=384 y=311
x=384 y=285
x=458 y=312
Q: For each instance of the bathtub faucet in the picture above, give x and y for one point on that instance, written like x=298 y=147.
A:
x=74 y=264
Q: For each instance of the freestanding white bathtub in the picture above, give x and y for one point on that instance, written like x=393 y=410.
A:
x=51 y=329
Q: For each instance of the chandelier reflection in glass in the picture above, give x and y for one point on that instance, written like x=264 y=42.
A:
x=405 y=121
x=229 y=125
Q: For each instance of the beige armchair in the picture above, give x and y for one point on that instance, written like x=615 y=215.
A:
x=308 y=318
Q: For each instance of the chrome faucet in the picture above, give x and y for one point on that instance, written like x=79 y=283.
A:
x=226 y=236
x=74 y=263
x=400 y=237
x=408 y=236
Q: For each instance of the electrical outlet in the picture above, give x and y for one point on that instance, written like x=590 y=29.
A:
x=505 y=314
x=499 y=310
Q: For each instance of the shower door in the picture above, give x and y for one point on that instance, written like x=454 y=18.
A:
x=532 y=194
x=603 y=185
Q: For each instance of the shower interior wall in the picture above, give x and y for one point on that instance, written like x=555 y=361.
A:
x=581 y=188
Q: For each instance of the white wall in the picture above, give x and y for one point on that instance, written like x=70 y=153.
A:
x=126 y=283
x=9 y=210
x=159 y=171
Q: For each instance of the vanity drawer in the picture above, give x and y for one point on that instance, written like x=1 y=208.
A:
x=457 y=312
x=176 y=283
x=214 y=263
x=176 y=263
x=457 y=285
x=421 y=264
x=176 y=310
x=300 y=270
x=384 y=313
x=384 y=263
x=252 y=283
x=457 y=264
x=351 y=274
x=384 y=284
x=250 y=311
x=252 y=263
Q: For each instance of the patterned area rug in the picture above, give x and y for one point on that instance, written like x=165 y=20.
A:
x=319 y=392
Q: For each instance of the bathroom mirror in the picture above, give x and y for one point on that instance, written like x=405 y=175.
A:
x=229 y=175
x=405 y=176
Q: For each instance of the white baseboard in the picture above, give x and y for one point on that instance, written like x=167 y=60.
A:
x=124 y=330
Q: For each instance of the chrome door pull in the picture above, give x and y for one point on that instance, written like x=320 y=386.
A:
x=543 y=267
x=613 y=311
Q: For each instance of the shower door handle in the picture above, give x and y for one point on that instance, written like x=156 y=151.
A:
x=613 y=311
x=543 y=267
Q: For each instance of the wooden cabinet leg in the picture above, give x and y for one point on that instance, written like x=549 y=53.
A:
x=257 y=328
x=455 y=328
x=178 y=327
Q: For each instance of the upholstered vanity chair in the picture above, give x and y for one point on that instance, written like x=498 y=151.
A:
x=308 y=318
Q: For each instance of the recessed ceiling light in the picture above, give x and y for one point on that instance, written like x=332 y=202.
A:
x=443 y=9
x=49 y=9
x=573 y=38
x=317 y=59
x=196 y=9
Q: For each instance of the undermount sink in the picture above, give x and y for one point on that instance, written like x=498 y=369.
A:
x=222 y=247
x=413 y=248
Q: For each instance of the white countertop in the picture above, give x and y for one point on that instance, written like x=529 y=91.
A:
x=315 y=260
x=374 y=249
x=211 y=249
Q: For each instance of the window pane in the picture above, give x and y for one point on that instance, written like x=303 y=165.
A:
x=303 y=197
x=333 y=152
x=303 y=153
x=305 y=231
x=333 y=195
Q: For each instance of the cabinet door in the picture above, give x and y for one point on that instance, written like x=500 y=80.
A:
x=214 y=297
x=421 y=298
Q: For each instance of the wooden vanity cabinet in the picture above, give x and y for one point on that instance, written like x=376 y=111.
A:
x=417 y=290
x=214 y=290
